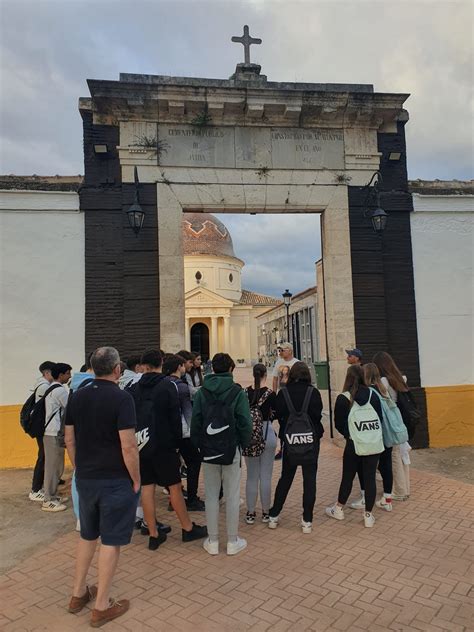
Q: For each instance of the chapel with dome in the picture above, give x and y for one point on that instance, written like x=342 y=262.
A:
x=220 y=315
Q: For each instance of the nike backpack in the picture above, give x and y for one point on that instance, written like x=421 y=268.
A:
x=365 y=429
x=36 y=424
x=218 y=439
x=145 y=431
x=258 y=440
x=299 y=436
x=393 y=429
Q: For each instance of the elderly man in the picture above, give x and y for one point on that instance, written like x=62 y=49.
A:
x=281 y=371
x=101 y=443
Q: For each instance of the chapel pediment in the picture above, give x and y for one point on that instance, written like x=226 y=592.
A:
x=201 y=297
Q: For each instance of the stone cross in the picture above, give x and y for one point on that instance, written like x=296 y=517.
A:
x=246 y=40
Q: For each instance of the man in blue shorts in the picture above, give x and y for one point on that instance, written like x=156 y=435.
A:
x=100 y=439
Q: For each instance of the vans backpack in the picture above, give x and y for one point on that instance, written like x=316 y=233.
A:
x=299 y=431
x=218 y=440
x=365 y=429
x=257 y=441
x=36 y=423
x=393 y=429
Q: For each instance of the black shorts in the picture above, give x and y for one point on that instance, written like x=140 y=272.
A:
x=163 y=469
x=107 y=509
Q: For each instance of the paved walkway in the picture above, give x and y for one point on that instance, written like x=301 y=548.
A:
x=412 y=571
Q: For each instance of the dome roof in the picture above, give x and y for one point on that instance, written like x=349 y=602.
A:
x=204 y=234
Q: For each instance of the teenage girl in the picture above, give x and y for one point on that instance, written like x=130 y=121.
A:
x=260 y=468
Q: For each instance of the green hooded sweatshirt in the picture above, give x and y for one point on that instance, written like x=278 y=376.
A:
x=219 y=384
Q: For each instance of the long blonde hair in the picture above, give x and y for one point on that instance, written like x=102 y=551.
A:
x=372 y=378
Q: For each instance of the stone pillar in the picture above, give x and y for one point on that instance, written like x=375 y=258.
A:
x=226 y=334
x=187 y=335
x=214 y=344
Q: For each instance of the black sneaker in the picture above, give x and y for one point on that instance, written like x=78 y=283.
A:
x=61 y=481
x=162 y=528
x=250 y=517
x=154 y=543
x=196 y=533
x=196 y=504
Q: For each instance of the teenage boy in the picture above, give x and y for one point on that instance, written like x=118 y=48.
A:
x=169 y=434
x=220 y=386
x=101 y=443
x=55 y=404
x=175 y=369
x=40 y=388
x=143 y=393
x=131 y=374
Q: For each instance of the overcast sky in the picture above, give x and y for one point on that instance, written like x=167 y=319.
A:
x=49 y=48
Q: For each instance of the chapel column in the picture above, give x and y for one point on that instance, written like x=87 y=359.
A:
x=214 y=344
x=187 y=335
x=226 y=334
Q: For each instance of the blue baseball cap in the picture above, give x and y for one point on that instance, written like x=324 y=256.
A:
x=354 y=352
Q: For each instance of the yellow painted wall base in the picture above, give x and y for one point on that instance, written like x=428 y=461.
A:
x=450 y=415
x=17 y=449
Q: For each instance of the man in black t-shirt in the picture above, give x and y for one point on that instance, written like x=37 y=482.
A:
x=100 y=439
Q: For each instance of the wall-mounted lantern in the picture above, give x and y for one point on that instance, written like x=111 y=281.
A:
x=135 y=214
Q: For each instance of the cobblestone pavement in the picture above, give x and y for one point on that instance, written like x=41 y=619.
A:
x=412 y=571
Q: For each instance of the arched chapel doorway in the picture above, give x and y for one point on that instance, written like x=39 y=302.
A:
x=200 y=340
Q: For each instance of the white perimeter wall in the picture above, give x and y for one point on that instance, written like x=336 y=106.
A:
x=42 y=295
x=443 y=246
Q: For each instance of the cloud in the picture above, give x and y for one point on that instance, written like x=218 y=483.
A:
x=279 y=251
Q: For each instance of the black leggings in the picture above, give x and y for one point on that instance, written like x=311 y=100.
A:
x=38 y=473
x=385 y=469
x=350 y=464
x=288 y=472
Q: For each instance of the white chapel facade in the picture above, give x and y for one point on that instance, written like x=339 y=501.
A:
x=219 y=314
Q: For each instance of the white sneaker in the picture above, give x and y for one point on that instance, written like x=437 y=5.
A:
x=306 y=527
x=335 y=512
x=37 y=497
x=211 y=547
x=369 y=519
x=273 y=522
x=53 y=505
x=383 y=504
x=235 y=547
x=358 y=504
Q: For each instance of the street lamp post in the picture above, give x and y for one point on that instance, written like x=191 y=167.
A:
x=287 y=301
x=377 y=216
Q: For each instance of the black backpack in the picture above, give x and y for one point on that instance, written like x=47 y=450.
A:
x=27 y=409
x=36 y=424
x=218 y=440
x=299 y=431
x=146 y=425
x=410 y=413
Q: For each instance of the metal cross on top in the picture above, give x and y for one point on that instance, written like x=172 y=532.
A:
x=246 y=40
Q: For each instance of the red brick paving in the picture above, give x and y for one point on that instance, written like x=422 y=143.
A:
x=412 y=571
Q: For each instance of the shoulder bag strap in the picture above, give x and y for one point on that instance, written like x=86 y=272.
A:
x=289 y=403
x=307 y=399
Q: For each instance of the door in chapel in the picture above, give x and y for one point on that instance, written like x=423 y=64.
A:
x=200 y=340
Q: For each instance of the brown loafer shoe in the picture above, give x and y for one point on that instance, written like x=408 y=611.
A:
x=77 y=603
x=116 y=609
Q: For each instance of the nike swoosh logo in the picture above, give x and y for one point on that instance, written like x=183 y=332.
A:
x=209 y=458
x=214 y=431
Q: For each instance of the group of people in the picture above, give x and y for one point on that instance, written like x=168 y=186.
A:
x=157 y=419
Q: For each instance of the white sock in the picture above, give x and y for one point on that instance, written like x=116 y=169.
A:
x=139 y=513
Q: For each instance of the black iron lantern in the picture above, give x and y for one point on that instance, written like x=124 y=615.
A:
x=377 y=215
x=378 y=218
x=287 y=301
x=135 y=214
